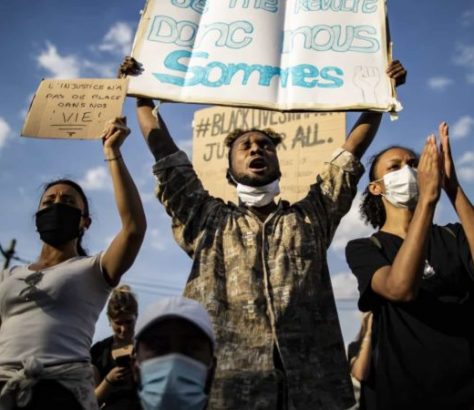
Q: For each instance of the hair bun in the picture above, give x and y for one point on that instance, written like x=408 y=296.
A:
x=122 y=301
x=123 y=288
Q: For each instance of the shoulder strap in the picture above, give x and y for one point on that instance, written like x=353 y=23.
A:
x=450 y=231
x=375 y=241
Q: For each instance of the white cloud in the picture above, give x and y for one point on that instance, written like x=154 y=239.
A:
x=345 y=286
x=108 y=240
x=24 y=111
x=59 y=66
x=72 y=66
x=351 y=227
x=465 y=166
x=157 y=240
x=186 y=146
x=104 y=70
x=96 y=179
x=118 y=39
x=439 y=83
x=466 y=173
x=148 y=197
x=468 y=17
x=462 y=127
x=5 y=131
x=465 y=58
x=467 y=158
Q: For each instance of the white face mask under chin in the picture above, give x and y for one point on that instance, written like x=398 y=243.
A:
x=260 y=195
x=401 y=187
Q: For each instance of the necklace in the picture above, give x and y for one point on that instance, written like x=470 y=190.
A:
x=428 y=270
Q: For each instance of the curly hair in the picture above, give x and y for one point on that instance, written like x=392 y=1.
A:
x=274 y=136
x=122 y=302
x=372 y=208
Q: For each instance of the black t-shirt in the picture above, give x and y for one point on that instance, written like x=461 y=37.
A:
x=123 y=396
x=353 y=349
x=423 y=350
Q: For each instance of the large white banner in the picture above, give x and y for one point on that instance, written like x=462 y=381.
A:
x=286 y=55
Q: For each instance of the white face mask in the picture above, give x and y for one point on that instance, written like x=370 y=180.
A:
x=258 y=195
x=401 y=187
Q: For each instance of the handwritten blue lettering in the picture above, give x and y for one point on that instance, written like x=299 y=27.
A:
x=226 y=34
x=267 y=5
x=165 y=29
x=266 y=73
x=217 y=74
x=348 y=6
x=199 y=6
x=332 y=38
x=333 y=80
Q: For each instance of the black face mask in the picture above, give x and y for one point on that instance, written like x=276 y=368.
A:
x=58 y=224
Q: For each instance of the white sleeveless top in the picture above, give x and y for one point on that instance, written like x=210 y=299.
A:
x=51 y=315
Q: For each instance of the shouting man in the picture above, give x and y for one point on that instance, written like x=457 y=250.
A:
x=259 y=266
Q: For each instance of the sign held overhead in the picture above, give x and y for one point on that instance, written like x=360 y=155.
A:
x=313 y=55
x=74 y=109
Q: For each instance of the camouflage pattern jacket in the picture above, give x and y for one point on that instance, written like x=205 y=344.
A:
x=266 y=286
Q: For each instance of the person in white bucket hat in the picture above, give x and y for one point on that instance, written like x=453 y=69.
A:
x=174 y=355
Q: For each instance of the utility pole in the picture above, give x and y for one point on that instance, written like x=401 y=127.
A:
x=8 y=254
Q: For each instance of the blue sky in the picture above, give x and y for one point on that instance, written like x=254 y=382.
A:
x=51 y=38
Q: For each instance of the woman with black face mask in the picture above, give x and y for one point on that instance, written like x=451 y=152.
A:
x=418 y=280
x=48 y=309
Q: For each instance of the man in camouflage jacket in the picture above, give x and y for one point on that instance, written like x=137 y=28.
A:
x=261 y=271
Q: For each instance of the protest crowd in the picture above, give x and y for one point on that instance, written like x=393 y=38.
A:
x=256 y=327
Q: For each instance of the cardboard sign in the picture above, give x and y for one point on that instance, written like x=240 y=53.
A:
x=74 y=109
x=320 y=55
x=309 y=139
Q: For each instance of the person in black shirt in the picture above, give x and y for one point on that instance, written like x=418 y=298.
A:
x=418 y=280
x=111 y=357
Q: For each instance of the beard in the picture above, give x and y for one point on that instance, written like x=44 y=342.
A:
x=257 y=180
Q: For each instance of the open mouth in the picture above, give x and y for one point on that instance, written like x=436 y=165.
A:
x=258 y=164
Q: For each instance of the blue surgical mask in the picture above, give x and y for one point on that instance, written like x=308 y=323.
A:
x=174 y=382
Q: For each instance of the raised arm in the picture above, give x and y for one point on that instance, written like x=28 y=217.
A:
x=453 y=189
x=154 y=130
x=153 y=127
x=121 y=253
x=401 y=280
x=368 y=123
x=178 y=186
